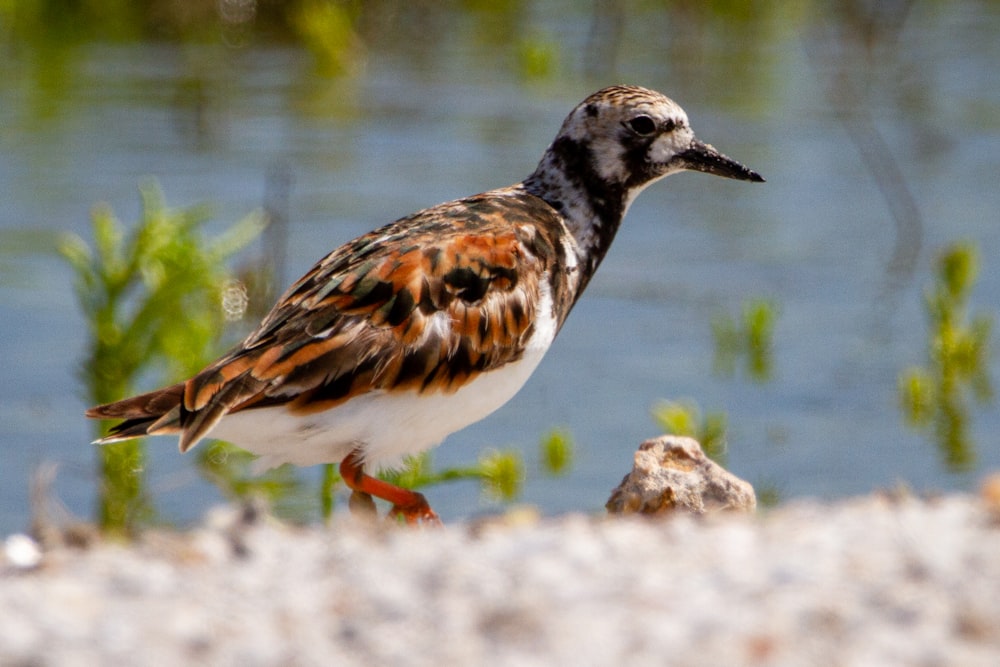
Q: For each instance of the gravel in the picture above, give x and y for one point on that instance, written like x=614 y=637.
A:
x=867 y=581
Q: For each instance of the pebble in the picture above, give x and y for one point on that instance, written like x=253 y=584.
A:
x=864 y=581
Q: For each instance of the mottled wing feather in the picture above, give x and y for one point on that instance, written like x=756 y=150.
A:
x=426 y=303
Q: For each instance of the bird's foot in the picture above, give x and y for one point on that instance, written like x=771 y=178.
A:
x=407 y=506
x=414 y=511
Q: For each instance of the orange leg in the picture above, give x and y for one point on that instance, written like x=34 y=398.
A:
x=409 y=505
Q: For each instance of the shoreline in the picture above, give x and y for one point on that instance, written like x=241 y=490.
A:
x=871 y=580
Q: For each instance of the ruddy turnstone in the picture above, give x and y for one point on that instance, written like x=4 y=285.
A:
x=417 y=329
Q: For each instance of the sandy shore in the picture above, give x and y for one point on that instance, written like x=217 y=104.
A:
x=866 y=581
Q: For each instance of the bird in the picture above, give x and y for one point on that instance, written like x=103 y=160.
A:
x=413 y=331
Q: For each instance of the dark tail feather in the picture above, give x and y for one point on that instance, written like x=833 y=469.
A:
x=140 y=414
x=130 y=428
x=162 y=412
x=153 y=404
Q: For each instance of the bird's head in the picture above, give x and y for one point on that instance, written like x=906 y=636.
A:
x=629 y=137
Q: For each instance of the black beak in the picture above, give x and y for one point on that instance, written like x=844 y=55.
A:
x=702 y=157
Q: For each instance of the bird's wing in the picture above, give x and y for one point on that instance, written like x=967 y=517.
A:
x=425 y=303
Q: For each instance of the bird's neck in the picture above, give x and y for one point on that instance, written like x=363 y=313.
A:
x=592 y=206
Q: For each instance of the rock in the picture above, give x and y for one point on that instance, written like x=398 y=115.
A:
x=672 y=473
x=989 y=493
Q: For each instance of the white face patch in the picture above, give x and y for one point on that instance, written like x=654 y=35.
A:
x=669 y=144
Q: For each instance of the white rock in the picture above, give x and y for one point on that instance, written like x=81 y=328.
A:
x=22 y=552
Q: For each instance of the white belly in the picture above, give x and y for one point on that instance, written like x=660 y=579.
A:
x=385 y=426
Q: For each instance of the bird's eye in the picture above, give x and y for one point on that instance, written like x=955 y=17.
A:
x=642 y=125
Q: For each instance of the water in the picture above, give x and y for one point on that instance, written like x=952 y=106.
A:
x=441 y=109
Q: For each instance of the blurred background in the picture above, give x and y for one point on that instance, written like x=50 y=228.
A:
x=827 y=333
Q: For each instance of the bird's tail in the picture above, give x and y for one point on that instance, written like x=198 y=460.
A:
x=155 y=413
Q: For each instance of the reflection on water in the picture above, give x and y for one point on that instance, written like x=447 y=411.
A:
x=852 y=52
x=875 y=124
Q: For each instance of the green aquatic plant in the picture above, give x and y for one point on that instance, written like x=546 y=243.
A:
x=768 y=494
x=685 y=418
x=537 y=58
x=502 y=474
x=151 y=298
x=231 y=470
x=499 y=472
x=935 y=396
x=328 y=29
x=751 y=338
x=557 y=451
